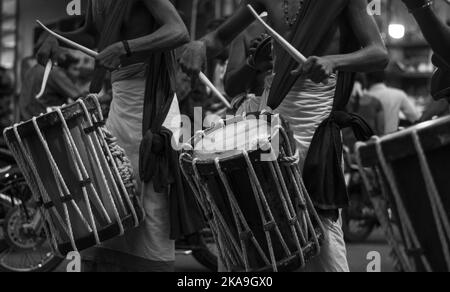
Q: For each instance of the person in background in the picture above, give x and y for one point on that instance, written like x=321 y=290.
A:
x=394 y=101
x=60 y=89
x=246 y=72
x=366 y=106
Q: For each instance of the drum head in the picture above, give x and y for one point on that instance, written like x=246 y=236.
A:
x=230 y=140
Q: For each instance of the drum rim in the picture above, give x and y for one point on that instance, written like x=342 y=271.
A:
x=368 y=148
x=50 y=119
x=194 y=140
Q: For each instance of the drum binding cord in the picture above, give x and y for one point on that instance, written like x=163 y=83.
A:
x=122 y=197
x=234 y=234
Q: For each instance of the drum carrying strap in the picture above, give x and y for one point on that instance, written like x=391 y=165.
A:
x=323 y=173
x=158 y=162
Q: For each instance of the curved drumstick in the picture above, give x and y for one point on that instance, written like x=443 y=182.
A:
x=69 y=42
x=276 y=36
x=94 y=54
x=48 y=69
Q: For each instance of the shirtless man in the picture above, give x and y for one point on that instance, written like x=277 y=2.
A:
x=311 y=99
x=149 y=247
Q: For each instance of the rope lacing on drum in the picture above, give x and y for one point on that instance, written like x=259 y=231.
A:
x=380 y=205
x=82 y=175
x=301 y=226
x=37 y=187
x=62 y=188
x=95 y=143
x=410 y=235
x=439 y=213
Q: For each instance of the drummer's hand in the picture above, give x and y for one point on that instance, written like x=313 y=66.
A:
x=193 y=59
x=266 y=62
x=110 y=58
x=49 y=50
x=318 y=69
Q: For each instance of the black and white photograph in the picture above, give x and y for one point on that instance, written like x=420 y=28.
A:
x=224 y=142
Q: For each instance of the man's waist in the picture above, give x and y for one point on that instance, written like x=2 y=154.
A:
x=131 y=71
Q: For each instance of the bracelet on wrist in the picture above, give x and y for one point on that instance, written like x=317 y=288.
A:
x=126 y=45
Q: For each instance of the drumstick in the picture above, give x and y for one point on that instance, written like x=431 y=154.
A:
x=69 y=42
x=94 y=54
x=211 y=86
x=47 y=71
x=277 y=37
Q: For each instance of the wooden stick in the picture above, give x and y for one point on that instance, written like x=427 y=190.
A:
x=73 y=44
x=278 y=38
x=216 y=92
x=94 y=54
x=48 y=69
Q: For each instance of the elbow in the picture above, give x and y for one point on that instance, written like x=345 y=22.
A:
x=382 y=59
x=181 y=36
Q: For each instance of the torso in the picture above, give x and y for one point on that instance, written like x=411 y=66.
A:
x=138 y=23
x=277 y=17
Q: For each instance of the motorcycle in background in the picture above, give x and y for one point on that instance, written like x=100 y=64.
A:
x=24 y=245
x=359 y=219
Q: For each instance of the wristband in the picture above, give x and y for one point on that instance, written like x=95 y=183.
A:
x=126 y=45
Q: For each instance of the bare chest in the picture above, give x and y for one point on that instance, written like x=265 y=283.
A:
x=283 y=15
x=137 y=19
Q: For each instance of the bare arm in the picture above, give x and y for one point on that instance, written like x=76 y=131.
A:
x=50 y=47
x=409 y=110
x=381 y=127
x=193 y=58
x=171 y=34
x=239 y=75
x=436 y=32
x=373 y=56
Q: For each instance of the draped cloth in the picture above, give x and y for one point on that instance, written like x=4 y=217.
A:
x=323 y=175
x=158 y=160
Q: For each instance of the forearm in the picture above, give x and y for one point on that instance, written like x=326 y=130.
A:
x=213 y=44
x=373 y=58
x=168 y=37
x=237 y=81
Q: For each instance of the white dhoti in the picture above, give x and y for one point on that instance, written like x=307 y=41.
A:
x=150 y=241
x=305 y=107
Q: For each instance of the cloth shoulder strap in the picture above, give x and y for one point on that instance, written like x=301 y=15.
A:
x=109 y=34
x=315 y=20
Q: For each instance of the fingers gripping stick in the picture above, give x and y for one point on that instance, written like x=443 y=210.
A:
x=290 y=49
x=278 y=38
x=94 y=54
